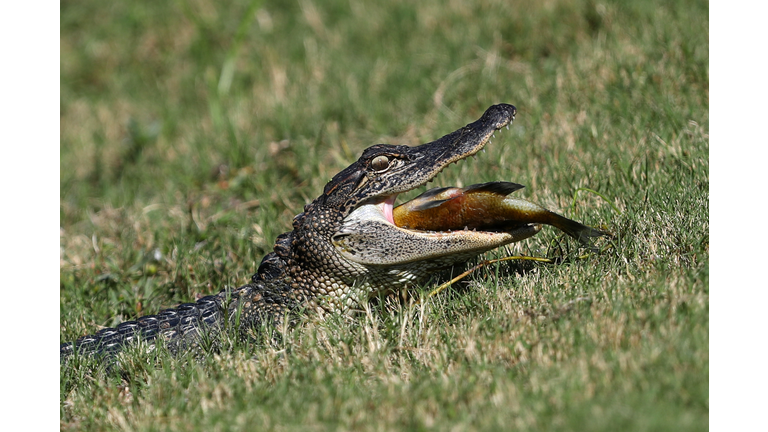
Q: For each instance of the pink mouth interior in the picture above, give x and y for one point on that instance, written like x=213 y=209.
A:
x=386 y=208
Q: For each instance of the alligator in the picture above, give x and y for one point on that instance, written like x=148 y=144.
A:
x=344 y=249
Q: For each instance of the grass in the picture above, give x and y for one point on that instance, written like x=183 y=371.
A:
x=192 y=133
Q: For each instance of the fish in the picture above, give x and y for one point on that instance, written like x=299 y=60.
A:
x=485 y=207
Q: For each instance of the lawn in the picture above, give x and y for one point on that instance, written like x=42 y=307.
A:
x=193 y=131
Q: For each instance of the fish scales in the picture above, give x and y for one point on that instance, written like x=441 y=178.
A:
x=485 y=206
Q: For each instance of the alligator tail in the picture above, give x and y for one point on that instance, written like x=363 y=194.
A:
x=182 y=327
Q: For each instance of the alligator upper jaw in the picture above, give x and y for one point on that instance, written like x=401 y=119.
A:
x=433 y=157
x=428 y=160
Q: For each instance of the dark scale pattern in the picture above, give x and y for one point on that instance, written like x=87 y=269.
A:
x=306 y=270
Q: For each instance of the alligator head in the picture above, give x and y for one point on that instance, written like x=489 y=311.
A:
x=346 y=244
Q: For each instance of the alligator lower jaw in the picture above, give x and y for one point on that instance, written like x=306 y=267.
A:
x=369 y=237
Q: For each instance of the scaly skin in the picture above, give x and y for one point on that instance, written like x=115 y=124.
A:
x=343 y=250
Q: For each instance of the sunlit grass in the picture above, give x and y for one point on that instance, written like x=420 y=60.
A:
x=193 y=132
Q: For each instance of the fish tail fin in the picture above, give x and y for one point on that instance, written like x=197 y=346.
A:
x=584 y=234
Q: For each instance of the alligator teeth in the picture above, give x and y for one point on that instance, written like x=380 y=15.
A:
x=507 y=126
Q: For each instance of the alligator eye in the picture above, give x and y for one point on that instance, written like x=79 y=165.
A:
x=380 y=163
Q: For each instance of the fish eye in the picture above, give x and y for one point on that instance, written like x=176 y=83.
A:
x=380 y=163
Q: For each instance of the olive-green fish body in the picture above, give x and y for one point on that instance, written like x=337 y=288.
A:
x=485 y=206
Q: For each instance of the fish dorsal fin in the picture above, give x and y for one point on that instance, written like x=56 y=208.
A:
x=429 y=204
x=501 y=188
x=432 y=192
